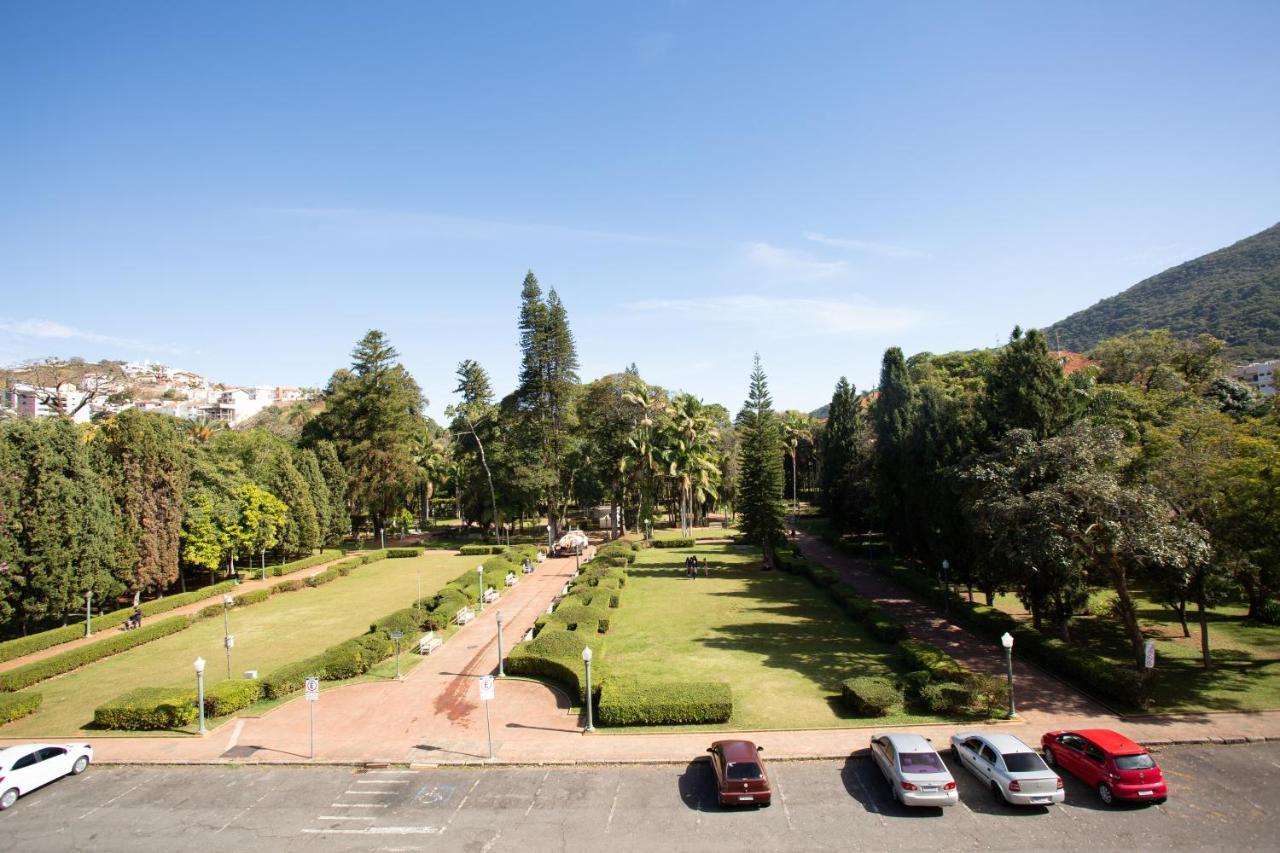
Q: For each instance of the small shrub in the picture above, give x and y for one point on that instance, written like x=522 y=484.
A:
x=945 y=697
x=291 y=677
x=256 y=596
x=632 y=703
x=345 y=660
x=887 y=629
x=407 y=622
x=210 y=611
x=288 y=586
x=234 y=694
x=681 y=542
x=1269 y=613
x=557 y=656
x=320 y=578
x=476 y=550
x=916 y=681
x=919 y=655
x=870 y=697
x=448 y=602
x=14 y=706
x=403 y=553
x=148 y=708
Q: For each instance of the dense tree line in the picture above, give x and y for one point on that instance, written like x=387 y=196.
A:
x=1150 y=468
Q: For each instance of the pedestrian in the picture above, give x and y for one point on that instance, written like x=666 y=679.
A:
x=137 y=617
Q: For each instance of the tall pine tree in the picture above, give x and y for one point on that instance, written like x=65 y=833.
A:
x=1026 y=388
x=839 y=455
x=894 y=412
x=760 y=475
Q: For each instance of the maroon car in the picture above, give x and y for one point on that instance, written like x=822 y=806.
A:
x=740 y=776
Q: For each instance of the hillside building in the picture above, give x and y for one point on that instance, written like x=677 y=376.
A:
x=1260 y=375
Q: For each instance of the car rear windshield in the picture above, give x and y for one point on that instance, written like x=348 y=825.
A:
x=744 y=770
x=921 y=762
x=1135 y=762
x=1023 y=762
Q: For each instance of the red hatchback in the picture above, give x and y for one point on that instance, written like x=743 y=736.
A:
x=1107 y=761
x=740 y=776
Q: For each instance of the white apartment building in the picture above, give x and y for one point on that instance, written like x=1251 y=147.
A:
x=26 y=401
x=1261 y=376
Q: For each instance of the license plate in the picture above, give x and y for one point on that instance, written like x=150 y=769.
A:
x=746 y=799
x=1145 y=793
x=1040 y=801
x=929 y=789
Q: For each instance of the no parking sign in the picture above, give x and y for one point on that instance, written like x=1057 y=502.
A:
x=313 y=689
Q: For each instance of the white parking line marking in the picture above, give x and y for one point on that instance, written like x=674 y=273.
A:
x=783 y=796
x=242 y=813
x=396 y=772
x=461 y=803
x=536 y=792
x=488 y=845
x=368 y=793
x=608 y=823
x=382 y=781
x=112 y=800
x=871 y=802
x=235 y=733
x=358 y=805
x=380 y=830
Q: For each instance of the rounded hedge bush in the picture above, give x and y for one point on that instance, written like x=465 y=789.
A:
x=870 y=697
x=148 y=708
x=234 y=694
x=14 y=706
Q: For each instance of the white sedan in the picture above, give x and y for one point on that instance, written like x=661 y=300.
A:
x=914 y=770
x=25 y=767
x=1013 y=771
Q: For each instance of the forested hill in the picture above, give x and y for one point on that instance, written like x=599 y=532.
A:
x=1233 y=294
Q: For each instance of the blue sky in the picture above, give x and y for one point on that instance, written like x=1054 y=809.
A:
x=244 y=188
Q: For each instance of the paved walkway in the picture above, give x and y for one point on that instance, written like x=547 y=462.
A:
x=187 y=609
x=433 y=715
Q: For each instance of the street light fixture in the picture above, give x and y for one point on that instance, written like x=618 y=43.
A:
x=88 y=613
x=946 y=587
x=480 y=575
x=586 y=659
x=227 y=640
x=199 y=665
x=396 y=636
x=1007 y=642
x=551 y=544
x=501 y=671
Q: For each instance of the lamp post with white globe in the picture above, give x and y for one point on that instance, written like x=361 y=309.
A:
x=199 y=665
x=586 y=659
x=1007 y=642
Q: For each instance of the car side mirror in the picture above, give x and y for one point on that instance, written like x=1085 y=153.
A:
x=759 y=749
x=709 y=749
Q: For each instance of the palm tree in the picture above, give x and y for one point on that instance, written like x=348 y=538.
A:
x=202 y=430
x=689 y=456
x=652 y=410
x=795 y=426
x=430 y=459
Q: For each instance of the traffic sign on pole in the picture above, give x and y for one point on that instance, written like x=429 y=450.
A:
x=313 y=689
x=486 y=688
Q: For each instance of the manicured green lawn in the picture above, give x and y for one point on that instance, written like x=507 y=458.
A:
x=283 y=628
x=782 y=644
x=713 y=532
x=1246 y=655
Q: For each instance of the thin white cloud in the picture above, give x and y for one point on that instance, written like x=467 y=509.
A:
x=792 y=265
x=40 y=329
x=788 y=318
x=883 y=250
x=405 y=224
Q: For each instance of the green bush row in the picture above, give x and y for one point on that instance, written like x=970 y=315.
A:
x=476 y=550
x=403 y=553
x=556 y=654
x=14 y=706
x=869 y=696
x=683 y=542
x=632 y=703
x=921 y=656
x=148 y=708
x=227 y=697
x=256 y=596
x=25 y=676
x=304 y=563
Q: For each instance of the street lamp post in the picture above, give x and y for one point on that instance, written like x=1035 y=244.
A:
x=199 y=665
x=480 y=575
x=396 y=636
x=946 y=587
x=502 y=673
x=551 y=544
x=586 y=659
x=227 y=640
x=577 y=559
x=1007 y=642
x=88 y=613
x=382 y=536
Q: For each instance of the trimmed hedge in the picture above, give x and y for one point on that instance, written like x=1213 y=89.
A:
x=403 y=553
x=25 y=676
x=227 y=697
x=256 y=596
x=870 y=697
x=922 y=656
x=15 y=706
x=557 y=655
x=661 y=703
x=146 y=708
x=304 y=563
x=885 y=628
x=288 y=586
x=290 y=678
x=476 y=550
x=674 y=543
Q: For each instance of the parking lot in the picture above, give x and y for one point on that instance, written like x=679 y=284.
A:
x=1221 y=797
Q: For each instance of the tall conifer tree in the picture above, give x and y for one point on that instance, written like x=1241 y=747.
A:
x=894 y=412
x=760 y=475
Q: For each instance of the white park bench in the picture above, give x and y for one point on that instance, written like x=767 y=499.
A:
x=541 y=557
x=512 y=580
x=527 y=568
x=528 y=635
x=490 y=595
x=429 y=643
x=464 y=616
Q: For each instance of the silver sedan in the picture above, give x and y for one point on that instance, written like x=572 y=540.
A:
x=1013 y=771
x=914 y=770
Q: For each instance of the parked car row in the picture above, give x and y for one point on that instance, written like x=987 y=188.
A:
x=1117 y=768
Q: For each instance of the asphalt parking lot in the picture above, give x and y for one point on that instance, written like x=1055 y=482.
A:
x=1221 y=798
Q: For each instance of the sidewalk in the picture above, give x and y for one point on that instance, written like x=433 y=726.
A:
x=186 y=609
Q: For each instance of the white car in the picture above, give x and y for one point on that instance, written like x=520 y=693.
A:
x=25 y=767
x=914 y=770
x=1012 y=770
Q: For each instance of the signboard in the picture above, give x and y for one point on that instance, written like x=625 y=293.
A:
x=313 y=689
x=1149 y=654
x=230 y=641
x=486 y=688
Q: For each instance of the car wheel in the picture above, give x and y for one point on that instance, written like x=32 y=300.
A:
x=997 y=793
x=8 y=798
x=81 y=763
x=1160 y=801
x=1048 y=757
x=1104 y=793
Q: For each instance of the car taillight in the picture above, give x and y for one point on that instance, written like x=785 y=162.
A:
x=907 y=786
x=1059 y=781
x=1015 y=785
x=950 y=786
